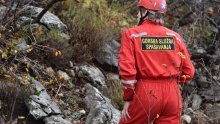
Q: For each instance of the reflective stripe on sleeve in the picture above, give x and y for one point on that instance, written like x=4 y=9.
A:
x=174 y=35
x=128 y=81
x=170 y=34
x=139 y=34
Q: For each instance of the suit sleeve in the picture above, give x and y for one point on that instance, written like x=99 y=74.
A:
x=187 y=70
x=127 y=68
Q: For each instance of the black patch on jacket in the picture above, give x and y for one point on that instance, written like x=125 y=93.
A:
x=157 y=43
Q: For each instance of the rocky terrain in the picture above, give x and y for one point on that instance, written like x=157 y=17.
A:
x=50 y=73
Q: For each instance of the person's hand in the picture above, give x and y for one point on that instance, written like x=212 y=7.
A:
x=125 y=115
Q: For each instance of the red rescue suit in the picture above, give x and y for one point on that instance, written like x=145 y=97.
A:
x=153 y=60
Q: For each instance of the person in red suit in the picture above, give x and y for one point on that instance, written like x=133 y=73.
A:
x=153 y=60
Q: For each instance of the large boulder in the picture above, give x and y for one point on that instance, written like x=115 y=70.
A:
x=41 y=106
x=92 y=75
x=51 y=20
x=40 y=103
x=100 y=108
x=108 y=56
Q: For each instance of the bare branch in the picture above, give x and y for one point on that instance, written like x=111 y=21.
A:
x=38 y=18
x=213 y=23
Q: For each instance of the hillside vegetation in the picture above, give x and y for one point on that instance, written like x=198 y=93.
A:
x=59 y=44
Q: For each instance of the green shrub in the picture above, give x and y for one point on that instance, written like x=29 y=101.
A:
x=88 y=35
x=114 y=92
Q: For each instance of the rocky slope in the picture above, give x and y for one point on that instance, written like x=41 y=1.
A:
x=78 y=92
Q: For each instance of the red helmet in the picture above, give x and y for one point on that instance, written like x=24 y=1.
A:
x=155 y=5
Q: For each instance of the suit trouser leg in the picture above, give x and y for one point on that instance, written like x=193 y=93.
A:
x=155 y=101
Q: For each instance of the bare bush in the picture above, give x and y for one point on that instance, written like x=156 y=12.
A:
x=12 y=97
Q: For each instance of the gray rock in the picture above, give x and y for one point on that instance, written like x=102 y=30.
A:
x=56 y=119
x=63 y=75
x=41 y=100
x=216 y=78
x=100 y=108
x=216 y=69
x=214 y=29
x=50 y=71
x=216 y=57
x=51 y=20
x=92 y=75
x=3 y=9
x=55 y=108
x=188 y=111
x=203 y=82
x=198 y=50
x=196 y=101
x=22 y=45
x=71 y=73
x=40 y=104
x=212 y=94
x=201 y=51
x=35 y=110
x=39 y=89
x=71 y=64
x=186 y=119
x=82 y=111
x=108 y=56
x=200 y=118
x=213 y=111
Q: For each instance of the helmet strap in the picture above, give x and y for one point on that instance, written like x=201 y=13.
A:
x=142 y=17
